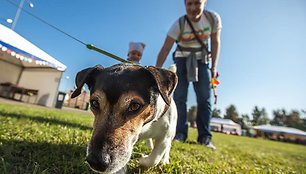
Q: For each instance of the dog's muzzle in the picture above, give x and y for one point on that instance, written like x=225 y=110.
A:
x=98 y=162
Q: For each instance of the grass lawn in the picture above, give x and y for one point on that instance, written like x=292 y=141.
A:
x=43 y=140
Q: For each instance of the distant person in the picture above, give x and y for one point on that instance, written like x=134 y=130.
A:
x=222 y=128
x=191 y=58
x=135 y=51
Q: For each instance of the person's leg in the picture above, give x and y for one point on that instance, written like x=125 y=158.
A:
x=180 y=98
x=204 y=109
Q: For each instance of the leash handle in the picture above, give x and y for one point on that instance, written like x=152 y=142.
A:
x=215 y=95
x=92 y=47
x=214 y=84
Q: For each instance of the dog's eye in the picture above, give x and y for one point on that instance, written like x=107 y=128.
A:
x=134 y=107
x=94 y=104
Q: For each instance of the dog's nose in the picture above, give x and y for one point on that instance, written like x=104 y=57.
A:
x=99 y=163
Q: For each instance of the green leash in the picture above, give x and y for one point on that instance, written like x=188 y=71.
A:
x=89 y=46
x=92 y=47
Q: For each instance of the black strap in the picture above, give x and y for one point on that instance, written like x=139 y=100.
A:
x=197 y=37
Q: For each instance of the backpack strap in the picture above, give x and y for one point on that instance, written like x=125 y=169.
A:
x=182 y=27
x=204 y=46
x=210 y=18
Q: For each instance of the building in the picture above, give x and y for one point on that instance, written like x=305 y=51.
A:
x=225 y=126
x=80 y=102
x=27 y=73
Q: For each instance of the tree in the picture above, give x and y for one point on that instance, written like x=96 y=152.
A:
x=231 y=113
x=293 y=120
x=259 y=116
x=279 y=117
x=192 y=115
x=245 y=121
x=304 y=124
x=216 y=113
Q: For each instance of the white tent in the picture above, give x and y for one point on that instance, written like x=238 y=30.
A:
x=281 y=133
x=225 y=126
x=280 y=129
x=24 y=64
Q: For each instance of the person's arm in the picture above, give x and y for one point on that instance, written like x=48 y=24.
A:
x=164 y=51
x=215 y=50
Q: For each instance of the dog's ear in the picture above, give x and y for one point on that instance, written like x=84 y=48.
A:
x=166 y=81
x=83 y=77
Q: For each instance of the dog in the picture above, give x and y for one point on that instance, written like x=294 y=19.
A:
x=130 y=103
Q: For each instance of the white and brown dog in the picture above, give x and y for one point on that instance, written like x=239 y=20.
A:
x=129 y=102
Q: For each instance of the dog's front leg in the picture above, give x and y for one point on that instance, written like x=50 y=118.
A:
x=166 y=157
x=160 y=148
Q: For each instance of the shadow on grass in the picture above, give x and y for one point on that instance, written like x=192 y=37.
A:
x=191 y=142
x=41 y=157
x=44 y=120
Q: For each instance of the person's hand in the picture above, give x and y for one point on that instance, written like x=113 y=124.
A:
x=213 y=72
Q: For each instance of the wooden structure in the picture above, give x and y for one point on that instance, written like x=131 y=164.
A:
x=11 y=91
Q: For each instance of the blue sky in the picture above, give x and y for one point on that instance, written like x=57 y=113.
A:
x=263 y=50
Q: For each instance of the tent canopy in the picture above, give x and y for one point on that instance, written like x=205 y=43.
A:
x=223 y=121
x=16 y=49
x=280 y=129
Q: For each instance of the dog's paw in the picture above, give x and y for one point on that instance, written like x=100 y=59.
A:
x=165 y=161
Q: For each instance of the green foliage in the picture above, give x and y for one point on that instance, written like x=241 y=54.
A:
x=279 y=117
x=292 y=119
x=42 y=140
x=260 y=116
x=232 y=113
x=192 y=114
x=216 y=113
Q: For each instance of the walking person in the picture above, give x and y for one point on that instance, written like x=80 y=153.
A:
x=192 y=33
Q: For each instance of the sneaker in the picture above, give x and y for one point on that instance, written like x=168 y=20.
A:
x=211 y=146
x=180 y=138
x=207 y=142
